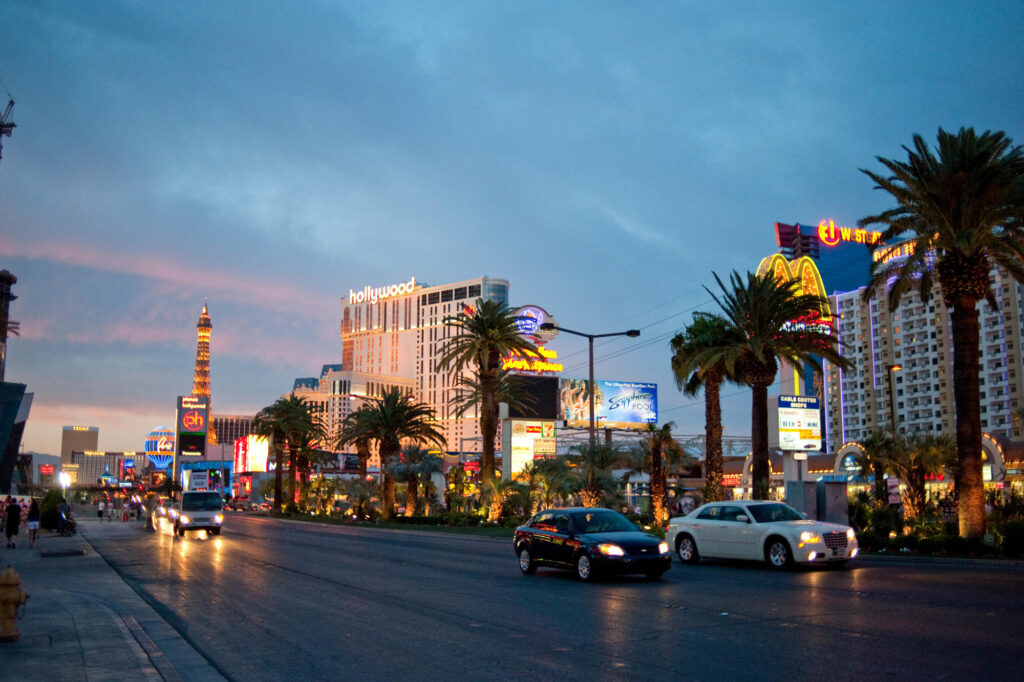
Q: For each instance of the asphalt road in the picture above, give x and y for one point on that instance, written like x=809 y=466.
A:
x=273 y=599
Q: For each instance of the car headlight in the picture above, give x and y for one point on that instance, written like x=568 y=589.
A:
x=663 y=548
x=185 y=519
x=609 y=549
x=809 y=537
x=219 y=518
x=850 y=535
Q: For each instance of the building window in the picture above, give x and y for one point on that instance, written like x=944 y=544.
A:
x=446 y=295
x=433 y=298
x=473 y=291
x=459 y=293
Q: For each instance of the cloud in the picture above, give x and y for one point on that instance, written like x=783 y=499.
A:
x=271 y=293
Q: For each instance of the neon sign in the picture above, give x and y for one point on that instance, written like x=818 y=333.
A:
x=540 y=363
x=377 y=293
x=897 y=251
x=830 y=235
x=193 y=420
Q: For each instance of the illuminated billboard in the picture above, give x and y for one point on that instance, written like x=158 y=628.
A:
x=251 y=454
x=798 y=419
x=617 y=404
x=530 y=440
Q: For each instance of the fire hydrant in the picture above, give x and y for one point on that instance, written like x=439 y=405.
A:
x=11 y=597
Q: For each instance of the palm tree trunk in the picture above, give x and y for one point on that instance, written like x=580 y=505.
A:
x=363 y=455
x=658 y=485
x=966 y=393
x=488 y=428
x=712 y=438
x=291 y=474
x=760 y=470
x=278 y=462
x=387 y=497
x=412 y=486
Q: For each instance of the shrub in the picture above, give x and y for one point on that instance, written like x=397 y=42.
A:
x=49 y=517
x=1013 y=538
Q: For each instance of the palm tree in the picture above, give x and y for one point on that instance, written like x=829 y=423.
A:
x=390 y=420
x=960 y=211
x=554 y=481
x=287 y=422
x=706 y=331
x=655 y=453
x=594 y=463
x=353 y=431
x=759 y=312
x=413 y=465
x=480 y=341
x=872 y=461
x=913 y=458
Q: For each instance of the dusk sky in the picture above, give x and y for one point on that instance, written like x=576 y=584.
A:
x=604 y=157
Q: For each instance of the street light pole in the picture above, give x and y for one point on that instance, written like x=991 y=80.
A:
x=889 y=370
x=632 y=333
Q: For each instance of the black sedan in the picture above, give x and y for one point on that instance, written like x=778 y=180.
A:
x=592 y=541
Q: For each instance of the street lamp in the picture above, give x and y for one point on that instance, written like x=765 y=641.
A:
x=632 y=333
x=890 y=369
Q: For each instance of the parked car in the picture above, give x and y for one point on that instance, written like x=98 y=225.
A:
x=592 y=541
x=759 y=530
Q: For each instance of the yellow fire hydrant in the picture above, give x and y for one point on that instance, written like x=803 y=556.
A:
x=11 y=597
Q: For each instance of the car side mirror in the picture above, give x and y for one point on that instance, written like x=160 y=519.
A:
x=743 y=518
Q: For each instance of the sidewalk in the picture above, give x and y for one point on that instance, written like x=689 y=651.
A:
x=83 y=622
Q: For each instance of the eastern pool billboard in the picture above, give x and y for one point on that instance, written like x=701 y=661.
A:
x=617 y=404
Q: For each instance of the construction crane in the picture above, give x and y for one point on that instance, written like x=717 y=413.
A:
x=6 y=126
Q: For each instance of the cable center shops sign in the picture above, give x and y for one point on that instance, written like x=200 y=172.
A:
x=798 y=419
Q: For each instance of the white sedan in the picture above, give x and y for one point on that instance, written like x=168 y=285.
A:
x=759 y=530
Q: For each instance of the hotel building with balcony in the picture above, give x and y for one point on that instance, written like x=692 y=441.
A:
x=917 y=337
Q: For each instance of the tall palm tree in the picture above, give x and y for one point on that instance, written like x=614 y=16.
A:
x=390 y=420
x=961 y=211
x=287 y=422
x=479 y=343
x=413 y=465
x=706 y=331
x=554 y=481
x=594 y=463
x=759 y=311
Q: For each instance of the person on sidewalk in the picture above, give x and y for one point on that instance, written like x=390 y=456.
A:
x=33 y=523
x=3 y=513
x=99 y=510
x=12 y=517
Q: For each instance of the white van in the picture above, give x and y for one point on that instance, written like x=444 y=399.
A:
x=198 y=510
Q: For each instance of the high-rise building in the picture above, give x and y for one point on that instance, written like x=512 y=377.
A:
x=231 y=427
x=79 y=438
x=7 y=280
x=396 y=334
x=201 y=376
x=903 y=363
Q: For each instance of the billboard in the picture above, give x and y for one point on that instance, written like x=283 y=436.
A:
x=617 y=404
x=799 y=423
x=192 y=425
x=530 y=440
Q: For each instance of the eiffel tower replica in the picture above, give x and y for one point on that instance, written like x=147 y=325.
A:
x=201 y=378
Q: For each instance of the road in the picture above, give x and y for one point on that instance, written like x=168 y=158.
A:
x=273 y=599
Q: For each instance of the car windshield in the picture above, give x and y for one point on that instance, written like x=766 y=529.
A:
x=200 y=502
x=772 y=513
x=601 y=522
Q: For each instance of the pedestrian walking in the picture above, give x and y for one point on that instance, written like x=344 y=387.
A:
x=3 y=515
x=99 y=510
x=110 y=511
x=33 y=523
x=12 y=516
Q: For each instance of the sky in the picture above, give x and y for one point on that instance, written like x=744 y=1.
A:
x=606 y=158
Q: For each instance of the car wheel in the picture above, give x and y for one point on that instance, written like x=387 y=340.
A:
x=584 y=568
x=686 y=548
x=777 y=554
x=180 y=531
x=215 y=531
x=526 y=564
